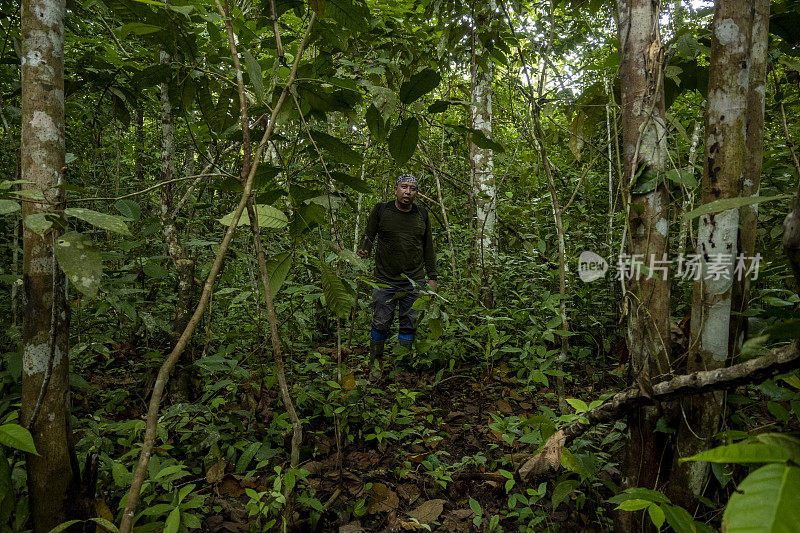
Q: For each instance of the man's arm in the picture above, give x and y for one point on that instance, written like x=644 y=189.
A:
x=429 y=254
x=369 y=233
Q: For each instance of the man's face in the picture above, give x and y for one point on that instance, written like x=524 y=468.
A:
x=406 y=193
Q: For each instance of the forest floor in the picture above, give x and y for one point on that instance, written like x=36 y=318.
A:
x=440 y=464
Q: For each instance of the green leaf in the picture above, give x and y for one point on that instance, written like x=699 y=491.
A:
x=80 y=260
x=476 y=507
x=646 y=182
x=338 y=149
x=255 y=73
x=562 y=491
x=352 y=14
x=403 y=141
x=376 y=124
x=173 y=522
x=268 y=217
x=278 y=269
x=579 y=405
x=111 y=528
x=679 y=519
x=767 y=500
x=337 y=297
x=39 y=223
x=8 y=206
x=656 y=515
x=681 y=177
x=419 y=85
x=634 y=505
x=743 y=452
x=17 y=437
x=128 y=208
x=354 y=183
x=100 y=220
x=439 y=106
x=136 y=28
x=731 y=203
x=64 y=526
x=641 y=494
x=247 y=457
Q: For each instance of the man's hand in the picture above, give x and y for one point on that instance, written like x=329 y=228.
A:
x=433 y=284
x=363 y=254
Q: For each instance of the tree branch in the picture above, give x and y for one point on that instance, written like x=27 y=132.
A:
x=755 y=370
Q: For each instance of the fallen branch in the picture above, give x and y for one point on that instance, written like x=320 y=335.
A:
x=166 y=368
x=548 y=460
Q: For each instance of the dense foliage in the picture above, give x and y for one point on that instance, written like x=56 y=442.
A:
x=382 y=88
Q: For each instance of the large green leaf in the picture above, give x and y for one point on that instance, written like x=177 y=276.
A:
x=768 y=500
x=268 y=217
x=354 y=183
x=80 y=260
x=744 y=452
x=128 y=208
x=337 y=297
x=39 y=223
x=100 y=220
x=352 y=14
x=8 y=206
x=278 y=269
x=732 y=203
x=254 y=71
x=306 y=218
x=419 y=85
x=17 y=437
x=376 y=124
x=339 y=150
x=403 y=141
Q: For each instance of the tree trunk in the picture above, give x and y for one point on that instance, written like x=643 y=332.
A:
x=169 y=230
x=751 y=176
x=725 y=150
x=482 y=163
x=45 y=324
x=644 y=144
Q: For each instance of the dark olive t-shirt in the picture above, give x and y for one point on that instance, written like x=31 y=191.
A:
x=405 y=244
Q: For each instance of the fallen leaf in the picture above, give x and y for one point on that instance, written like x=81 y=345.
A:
x=230 y=487
x=428 y=511
x=381 y=499
x=525 y=405
x=546 y=461
x=408 y=491
x=504 y=407
x=216 y=472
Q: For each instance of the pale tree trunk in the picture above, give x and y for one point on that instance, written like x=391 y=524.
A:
x=481 y=161
x=725 y=151
x=751 y=176
x=45 y=324
x=688 y=201
x=169 y=230
x=644 y=144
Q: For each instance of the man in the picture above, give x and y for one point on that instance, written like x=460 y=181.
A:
x=404 y=251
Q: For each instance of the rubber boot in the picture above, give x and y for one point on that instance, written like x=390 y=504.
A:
x=408 y=345
x=376 y=352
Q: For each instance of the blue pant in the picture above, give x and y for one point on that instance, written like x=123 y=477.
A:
x=384 y=302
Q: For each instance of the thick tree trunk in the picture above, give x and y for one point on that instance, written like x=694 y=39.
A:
x=644 y=145
x=751 y=176
x=725 y=149
x=481 y=161
x=45 y=335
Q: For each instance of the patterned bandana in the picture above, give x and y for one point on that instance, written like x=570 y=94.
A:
x=407 y=178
